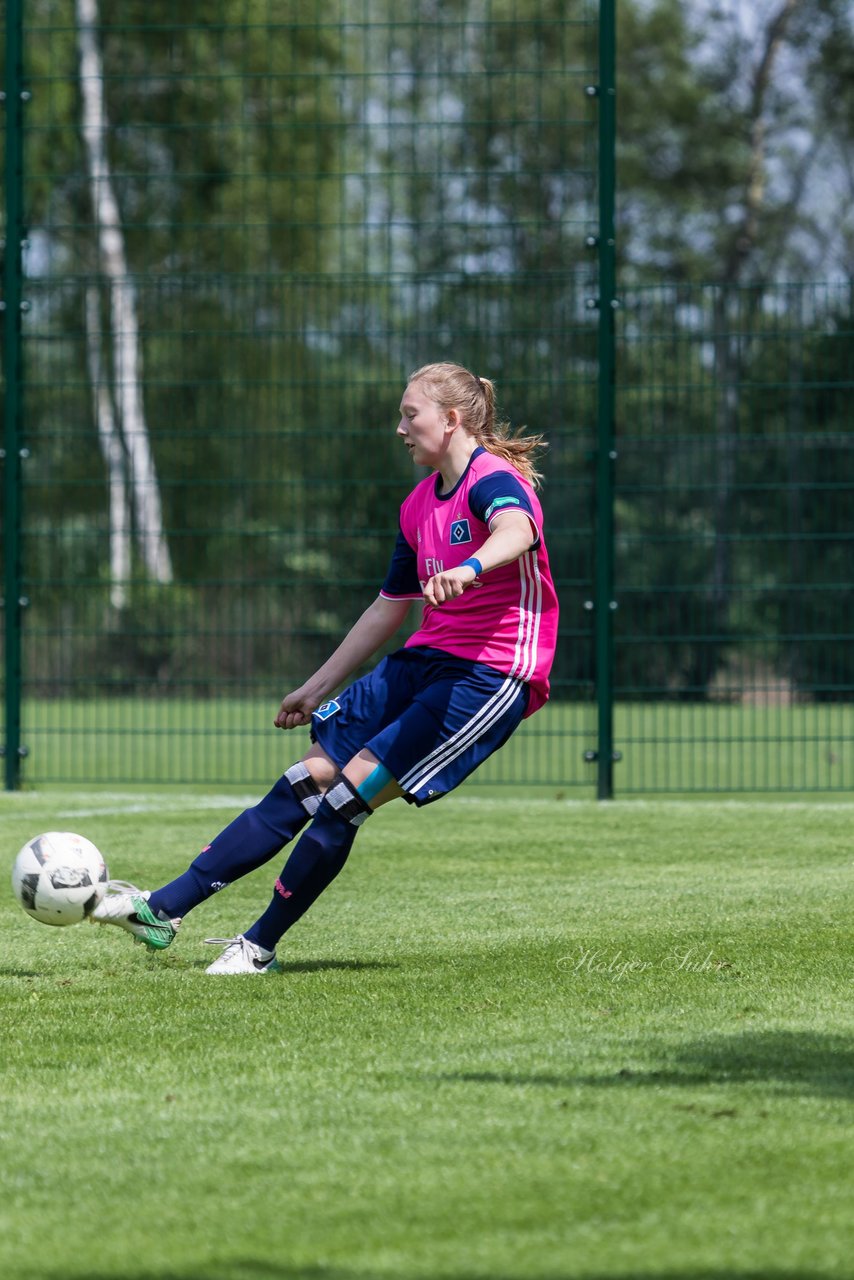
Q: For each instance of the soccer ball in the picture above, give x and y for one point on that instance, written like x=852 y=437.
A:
x=59 y=877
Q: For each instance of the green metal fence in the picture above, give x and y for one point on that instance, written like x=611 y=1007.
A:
x=231 y=230
x=734 y=666
x=243 y=225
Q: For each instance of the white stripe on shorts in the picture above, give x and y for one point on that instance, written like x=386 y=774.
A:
x=460 y=741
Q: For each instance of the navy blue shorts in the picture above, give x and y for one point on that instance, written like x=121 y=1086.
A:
x=430 y=718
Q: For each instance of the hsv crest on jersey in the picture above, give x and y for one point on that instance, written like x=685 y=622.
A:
x=460 y=533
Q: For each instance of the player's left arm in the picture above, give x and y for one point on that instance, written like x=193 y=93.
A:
x=511 y=535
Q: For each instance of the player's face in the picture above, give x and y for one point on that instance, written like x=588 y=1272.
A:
x=423 y=427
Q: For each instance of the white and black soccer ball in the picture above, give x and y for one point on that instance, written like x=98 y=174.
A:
x=59 y=877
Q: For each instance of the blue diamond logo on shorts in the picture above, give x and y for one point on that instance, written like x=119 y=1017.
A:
x=460 y=533
x=327 y=709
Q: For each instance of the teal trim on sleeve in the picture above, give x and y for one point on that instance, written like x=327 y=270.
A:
x=497 y=504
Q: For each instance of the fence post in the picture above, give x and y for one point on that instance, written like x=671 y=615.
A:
x=14 y=100
x=605 y=604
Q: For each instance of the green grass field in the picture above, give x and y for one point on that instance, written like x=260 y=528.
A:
x=517 y=1040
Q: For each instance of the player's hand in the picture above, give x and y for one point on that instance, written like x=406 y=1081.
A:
x=448 y=585
x=296 y=710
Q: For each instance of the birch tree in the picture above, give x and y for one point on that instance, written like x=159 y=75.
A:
x=113 y=453
x=124 y=322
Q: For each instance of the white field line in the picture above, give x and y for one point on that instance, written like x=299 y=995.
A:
x=116 y=804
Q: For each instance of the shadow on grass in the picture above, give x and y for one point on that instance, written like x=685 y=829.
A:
x=317 y=966
x=788 y=1061
x=314 y=966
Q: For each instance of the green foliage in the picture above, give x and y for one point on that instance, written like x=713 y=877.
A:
x=681 y=146
x=805 y=491
x=230 y=131
x=315 y=203
x=770 y=482
x=717 y=167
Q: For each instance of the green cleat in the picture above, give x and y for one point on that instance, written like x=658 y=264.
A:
x=125 y=905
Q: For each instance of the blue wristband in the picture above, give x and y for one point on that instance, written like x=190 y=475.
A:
x=473 y=563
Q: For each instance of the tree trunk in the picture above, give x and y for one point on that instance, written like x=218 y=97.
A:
x=113 y=453
x=127 y=360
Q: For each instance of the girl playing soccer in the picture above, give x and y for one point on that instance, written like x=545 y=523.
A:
x=471 y=547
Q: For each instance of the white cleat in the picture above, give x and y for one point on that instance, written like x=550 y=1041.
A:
x=242 y=956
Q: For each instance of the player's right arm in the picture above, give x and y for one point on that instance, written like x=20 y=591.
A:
x=376 y=626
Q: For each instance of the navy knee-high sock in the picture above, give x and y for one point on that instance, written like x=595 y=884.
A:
x=318 y=856
x=246 y=843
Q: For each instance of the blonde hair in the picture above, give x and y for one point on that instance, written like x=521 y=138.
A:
x=453 y=387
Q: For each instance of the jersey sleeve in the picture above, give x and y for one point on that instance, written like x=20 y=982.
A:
x=401 y=580
x=499 y=492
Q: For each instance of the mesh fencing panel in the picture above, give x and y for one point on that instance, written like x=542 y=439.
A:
x=734 y=667
x=246 y=223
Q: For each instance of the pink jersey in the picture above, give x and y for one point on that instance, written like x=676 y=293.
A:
x=508 y=620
